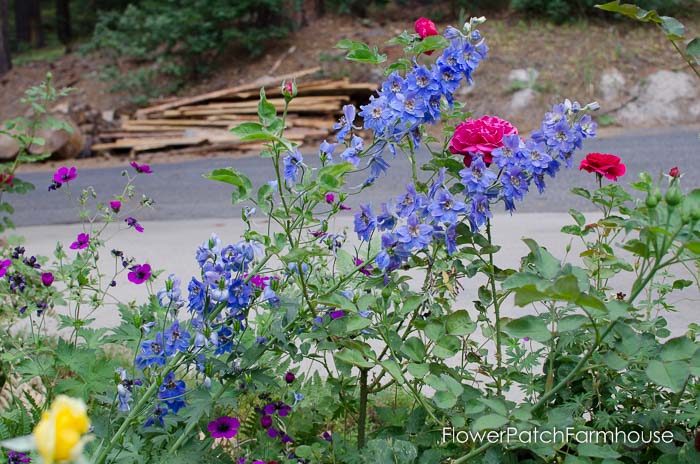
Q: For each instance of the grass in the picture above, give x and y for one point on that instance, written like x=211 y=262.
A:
x=48 y=53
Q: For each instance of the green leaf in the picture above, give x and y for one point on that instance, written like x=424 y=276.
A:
x=430 y=43
x=444 y=399
x=230 y=176
x=266 y=110
x=674 y=29
x=693 y=49
x=330 y=178
x=546 y=264
x=678 y=349
x=671 y=375
x=597 y=451
x=355 y=323
x=459 y=323
x=414 y=349
x=489 y=422
x=528 y=326
x=393 y=368
x=353 y=357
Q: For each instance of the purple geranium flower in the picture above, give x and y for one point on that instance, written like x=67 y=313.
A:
x=224 y=427
x=82 y=241
x=15 y=457
x=47 y=279
x=132 y=222
x=115 y=206
x=4 y=265
x=141 y=168
x=64 y=174
x=140 y=273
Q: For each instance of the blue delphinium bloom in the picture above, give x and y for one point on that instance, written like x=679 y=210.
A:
x=515 y=184
x=480 y=211
x=511 y=153
x=414 y=234
x=477 y=178
x=445 y=208
x=156 y=417
x=410 y=202
x=326 y=150
x=171 y=295
x=223 y=341
x=176 y=340
x=351 y=153
x=172 y=393
x=377 y=115
x=292 y=162
x=365 y=222
x=422 y=83
x=392 y=254
x=197 y=293
x=152 y=353
x=345 y=124
x=377 y=165
x=451 y=239
x=209 y=250
x=386 y=220
x=239 y=294
x=271 y=297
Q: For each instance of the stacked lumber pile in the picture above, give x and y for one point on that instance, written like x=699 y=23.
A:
x=202 y=123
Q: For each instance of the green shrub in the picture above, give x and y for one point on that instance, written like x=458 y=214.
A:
x=179 y=39
x=564 y=10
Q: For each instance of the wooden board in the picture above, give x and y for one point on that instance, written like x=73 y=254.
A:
x=267 y=80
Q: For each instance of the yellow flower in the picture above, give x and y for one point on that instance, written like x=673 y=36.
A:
x=59 y=433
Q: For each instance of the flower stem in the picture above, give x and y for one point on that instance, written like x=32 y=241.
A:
x=362 y=418
x=496 y=308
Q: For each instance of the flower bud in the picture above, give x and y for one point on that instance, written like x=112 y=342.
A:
x=59 y=433
x=675 y=173
x=674 y=196
x=651 y=200
x=289 y=90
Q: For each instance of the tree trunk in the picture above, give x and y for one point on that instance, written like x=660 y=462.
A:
x=22 y=15
x=5 y=59
x=63 y=24
x=37 y=31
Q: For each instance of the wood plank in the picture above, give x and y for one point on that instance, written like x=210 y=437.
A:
x=170 y=122
x=267 y=80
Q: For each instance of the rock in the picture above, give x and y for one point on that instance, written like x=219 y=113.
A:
x=108 y=115
x=521 y=100
x=8 y=147
x=665 y=97
x=523 y=76
x=61 y=143
x=612 y=85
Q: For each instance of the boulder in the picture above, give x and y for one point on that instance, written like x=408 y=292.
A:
x=612 y=85
x=60 y=143
x=665 y=97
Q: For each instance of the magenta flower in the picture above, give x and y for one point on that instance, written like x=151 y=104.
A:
x=139 y=274
x=344 y=207
x=132 y=222
x=81 y=242
x=289 y=377
x=115 y=206
x=224 y=427
x=141 y=168
x=4 y=265
x=47 y=279
x=337 y=314
x=266 y=421
x=330 y=198
x=64 y=174
x=366 y=269
x=259 y=281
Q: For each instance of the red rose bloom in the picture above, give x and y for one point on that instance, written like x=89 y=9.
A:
x=481 y=135
x=603 y=164
x=674 y=172
x=425 y=28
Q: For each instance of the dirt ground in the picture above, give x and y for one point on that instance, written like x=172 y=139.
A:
x=569 y=58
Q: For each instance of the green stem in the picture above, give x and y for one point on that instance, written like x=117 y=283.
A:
x=496 y=308
x=362 y=417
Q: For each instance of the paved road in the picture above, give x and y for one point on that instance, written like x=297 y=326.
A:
x=180 y=192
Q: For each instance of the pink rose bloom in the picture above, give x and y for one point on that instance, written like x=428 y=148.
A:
x=425 y=28
x=481 y=135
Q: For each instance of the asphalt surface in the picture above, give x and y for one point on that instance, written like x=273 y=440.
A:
x=180 y=191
